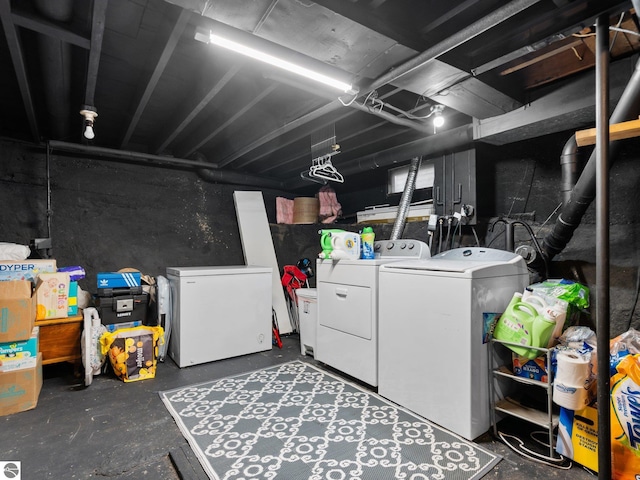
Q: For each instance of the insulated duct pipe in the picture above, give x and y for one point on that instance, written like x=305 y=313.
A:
x=585 y=189
x=496 y=17
x=405 y=200
x=214 y=175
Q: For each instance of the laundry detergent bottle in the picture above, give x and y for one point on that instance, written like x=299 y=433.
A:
x=325 y=241
x=345 y=246
x=521 y=324
x=367 y=238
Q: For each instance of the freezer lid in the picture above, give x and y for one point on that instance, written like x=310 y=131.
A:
x=217 y=270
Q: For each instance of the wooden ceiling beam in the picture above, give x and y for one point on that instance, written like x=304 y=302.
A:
x=617 y=131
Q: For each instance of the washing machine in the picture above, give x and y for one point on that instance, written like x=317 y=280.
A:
x=347 y=290
x=433 y=319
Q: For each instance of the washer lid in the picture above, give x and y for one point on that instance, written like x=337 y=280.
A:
x=456 y=266
x=477 y=254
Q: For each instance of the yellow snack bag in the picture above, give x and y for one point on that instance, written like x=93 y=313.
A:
x=133 y=352
x=625 y=419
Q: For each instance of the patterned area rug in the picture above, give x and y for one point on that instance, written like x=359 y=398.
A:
x=295 y=421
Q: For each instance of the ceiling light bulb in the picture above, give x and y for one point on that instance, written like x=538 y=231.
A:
x=438 y=120
x=89 y=114
x=88 y=133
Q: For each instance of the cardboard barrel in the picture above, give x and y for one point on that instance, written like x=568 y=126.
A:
x=305 y=210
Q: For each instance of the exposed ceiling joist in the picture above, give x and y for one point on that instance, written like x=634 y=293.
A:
x=190 y=148
x=50 y=29
x=97 y=33
x=160 y=65
x=192 y=109
x=19 y=68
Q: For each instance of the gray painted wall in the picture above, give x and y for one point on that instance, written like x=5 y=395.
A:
x=108 y=215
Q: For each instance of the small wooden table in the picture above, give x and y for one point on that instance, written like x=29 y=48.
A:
x=60 y=340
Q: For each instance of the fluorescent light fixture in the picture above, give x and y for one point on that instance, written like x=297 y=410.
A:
x=280 y=63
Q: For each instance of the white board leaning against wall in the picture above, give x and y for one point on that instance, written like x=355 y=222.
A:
x=257 y=245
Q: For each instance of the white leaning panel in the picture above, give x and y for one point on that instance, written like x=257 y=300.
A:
x=257 y=245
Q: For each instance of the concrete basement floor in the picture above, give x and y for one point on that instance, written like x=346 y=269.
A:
x=123 y=431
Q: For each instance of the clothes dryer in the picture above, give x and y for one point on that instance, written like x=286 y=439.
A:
x=347 y=334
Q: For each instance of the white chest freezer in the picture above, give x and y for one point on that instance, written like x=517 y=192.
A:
x=433 y=355
x=219 y=312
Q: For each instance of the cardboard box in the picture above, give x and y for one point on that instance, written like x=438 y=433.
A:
x=20 y=389
x=535 y=369
x=52 y=296
x=17 y=310
x=19 y=355
x=73 y=299
x=578 y=436
x=25 y=269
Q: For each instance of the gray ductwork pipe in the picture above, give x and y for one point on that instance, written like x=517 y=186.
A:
x=569 y=166
x=585 y=188
x=405 y=200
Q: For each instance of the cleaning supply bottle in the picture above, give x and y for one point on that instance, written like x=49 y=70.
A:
x=367 y=238
x=345 y=246
x=325 y=241
x=520 y=323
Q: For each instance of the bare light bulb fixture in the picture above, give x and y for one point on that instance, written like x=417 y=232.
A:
x=89 y=114
x=438 y=119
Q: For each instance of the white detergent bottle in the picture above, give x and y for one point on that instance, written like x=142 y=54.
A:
x=552 y=309
x=346 y=245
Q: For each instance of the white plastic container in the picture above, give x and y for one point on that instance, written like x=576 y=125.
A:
x=308 y=317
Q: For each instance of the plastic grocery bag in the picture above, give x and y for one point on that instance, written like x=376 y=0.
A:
x=627 y=343
x=133 y=352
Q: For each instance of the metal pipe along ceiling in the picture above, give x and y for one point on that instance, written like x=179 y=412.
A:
x=214 y=175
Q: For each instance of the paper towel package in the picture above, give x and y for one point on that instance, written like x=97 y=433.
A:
x=578 y=436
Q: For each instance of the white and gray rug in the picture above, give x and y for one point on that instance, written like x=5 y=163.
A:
x=295 y=421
